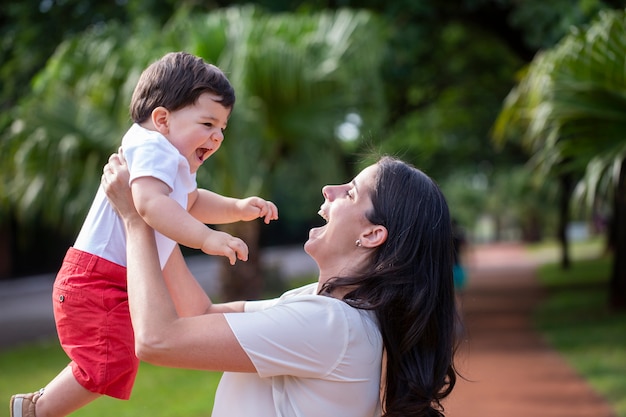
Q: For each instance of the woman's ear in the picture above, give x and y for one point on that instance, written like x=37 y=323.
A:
x=375 y=236
x=160 y=119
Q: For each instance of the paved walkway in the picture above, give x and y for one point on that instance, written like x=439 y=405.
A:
x=510 y=370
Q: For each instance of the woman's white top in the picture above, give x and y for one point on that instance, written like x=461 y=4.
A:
x=314 y=356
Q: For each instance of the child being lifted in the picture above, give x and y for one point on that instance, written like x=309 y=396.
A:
x=180 y=108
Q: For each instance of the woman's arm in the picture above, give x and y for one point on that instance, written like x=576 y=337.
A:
x=161 y=336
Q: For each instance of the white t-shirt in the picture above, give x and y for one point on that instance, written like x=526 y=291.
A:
x=314 y=356
x=148 y=154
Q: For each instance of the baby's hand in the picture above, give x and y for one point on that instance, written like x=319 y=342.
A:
x=223 y=244
x=254 y=207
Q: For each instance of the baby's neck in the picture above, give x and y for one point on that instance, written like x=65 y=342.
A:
x=148 y=125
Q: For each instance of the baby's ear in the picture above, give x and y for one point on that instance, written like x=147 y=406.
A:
x=375 y=236
x=160 y=120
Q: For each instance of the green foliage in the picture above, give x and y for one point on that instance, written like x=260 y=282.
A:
x=576 y=320
x=522 y=209
x=545 y=23
x=63 y=132
x=446 y=66
x=450 y=128
x=295 y=78
x=30 y=32
x=447 y=134
x=570 y=106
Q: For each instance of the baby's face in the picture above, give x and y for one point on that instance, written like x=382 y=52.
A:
x=197 y=131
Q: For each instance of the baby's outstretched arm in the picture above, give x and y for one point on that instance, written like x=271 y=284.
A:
x=151 y=198
x=212 y=208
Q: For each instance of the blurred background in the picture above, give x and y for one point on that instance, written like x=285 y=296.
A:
x=516 y=108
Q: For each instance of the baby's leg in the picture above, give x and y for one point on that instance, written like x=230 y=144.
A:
x=63 y=395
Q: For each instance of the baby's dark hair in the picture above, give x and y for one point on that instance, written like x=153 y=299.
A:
x=176 y=81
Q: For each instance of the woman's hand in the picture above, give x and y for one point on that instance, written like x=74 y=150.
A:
x=115 y=178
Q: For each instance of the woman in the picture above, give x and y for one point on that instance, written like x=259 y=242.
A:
x=380 y=319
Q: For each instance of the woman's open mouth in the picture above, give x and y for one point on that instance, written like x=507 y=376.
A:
x=323 y=214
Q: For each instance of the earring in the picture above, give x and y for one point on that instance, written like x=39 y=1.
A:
x=358 y=243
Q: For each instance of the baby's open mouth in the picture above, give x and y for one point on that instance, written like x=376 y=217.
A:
x=202 y=153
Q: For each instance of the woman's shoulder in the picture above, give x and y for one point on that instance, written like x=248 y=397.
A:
x=308 y=289
x=258 y=305
x=306 y=300
x=312 y=309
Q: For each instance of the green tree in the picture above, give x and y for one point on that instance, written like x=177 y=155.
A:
x=296 y=78
x=448 y=66
x=32 y=30
x=570 y=109
x=60 y=133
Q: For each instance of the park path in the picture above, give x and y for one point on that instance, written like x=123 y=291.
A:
x=510 y=370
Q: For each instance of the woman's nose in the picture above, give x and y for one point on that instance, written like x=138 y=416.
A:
x=325 y=191
x=328 y=191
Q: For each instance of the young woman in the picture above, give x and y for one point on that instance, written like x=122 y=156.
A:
x=374 y=336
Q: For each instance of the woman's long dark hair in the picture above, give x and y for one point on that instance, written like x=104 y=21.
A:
x=409 y=286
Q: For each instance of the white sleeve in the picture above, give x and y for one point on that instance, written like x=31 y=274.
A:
x=258 y=305
x=158 y=159
x=304 y=336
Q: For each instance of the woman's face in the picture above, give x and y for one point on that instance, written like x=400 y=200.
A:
x=344 y=210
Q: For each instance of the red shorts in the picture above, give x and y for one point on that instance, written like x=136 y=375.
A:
x=93 y=323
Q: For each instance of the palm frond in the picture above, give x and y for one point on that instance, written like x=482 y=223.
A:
x=570 y=105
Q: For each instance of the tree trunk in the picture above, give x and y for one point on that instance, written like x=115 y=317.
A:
x=244 y=280
x=617 y=285
x=531 y=227
x=6 y=247
x=566 y=192
x=497 y=228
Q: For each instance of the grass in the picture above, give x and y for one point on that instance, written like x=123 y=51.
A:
x=576 y=320
x=158 y=391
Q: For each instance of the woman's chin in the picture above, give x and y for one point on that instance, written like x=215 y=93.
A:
x=316 y=232
x=314 y=235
